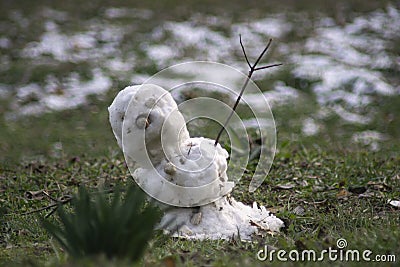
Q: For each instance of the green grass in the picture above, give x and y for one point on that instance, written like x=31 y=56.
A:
x=323 y=177
x=323 y=169
x=343 y=187
x=119 y=226
x=366 y=223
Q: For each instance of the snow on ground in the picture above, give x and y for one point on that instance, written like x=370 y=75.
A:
x=346 y=65
x=225 y=218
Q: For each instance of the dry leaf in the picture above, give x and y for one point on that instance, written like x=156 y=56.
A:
x=370 y=193
x=276 y=209
x=169 y=261
x=285 y=186
x=379 y=186
x=343 y=193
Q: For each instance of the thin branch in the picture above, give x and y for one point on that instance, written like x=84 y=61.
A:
x=60 y=201
x=50 y=197
x=190 y=147
x=244 y=51
x=262 y=53
x=39 y=210
x=54 y=205
x=234 y=107
x=252 y=69
x=51 y=212
x=268 y=66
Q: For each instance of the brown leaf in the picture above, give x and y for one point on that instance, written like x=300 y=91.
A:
x=276 y=209
x=169 y=261
x=343 y=193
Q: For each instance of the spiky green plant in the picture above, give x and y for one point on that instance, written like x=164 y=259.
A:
x=118 y=228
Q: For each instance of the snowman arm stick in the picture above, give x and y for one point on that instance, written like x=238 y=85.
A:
x=252 y=69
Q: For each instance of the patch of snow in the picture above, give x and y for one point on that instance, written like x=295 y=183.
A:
x=207 y=44
x=117 y=65
x=369 y=138
x=350 y=117
x=310 y=127
x=56 y=95
x=281 y=94
x=162 y=54
x=32 y=89
x=27 y=110
x=5 y=43
x=344 y=63
x=76 y=91
x=78 y=47
x=225 y=218
x=273 y=27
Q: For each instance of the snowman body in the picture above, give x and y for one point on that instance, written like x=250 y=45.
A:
x=186 y=174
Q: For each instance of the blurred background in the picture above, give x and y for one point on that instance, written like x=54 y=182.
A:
x=62 y=63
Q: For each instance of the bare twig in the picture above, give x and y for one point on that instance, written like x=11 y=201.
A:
x=268 y=66
x=252 y=69
x=190 y=147
x=50 y=197
x=53 y=206
x=244 y=51
x=60 y=201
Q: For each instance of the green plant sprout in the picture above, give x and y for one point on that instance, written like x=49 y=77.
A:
x=117 y=228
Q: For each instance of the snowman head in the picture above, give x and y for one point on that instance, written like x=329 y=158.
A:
x=149 y=118
x=163 y=159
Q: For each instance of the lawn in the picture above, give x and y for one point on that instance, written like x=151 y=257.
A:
x=322 y=192
x=325 y=184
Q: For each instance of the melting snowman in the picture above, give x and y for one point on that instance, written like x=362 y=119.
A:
x=187 y=176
